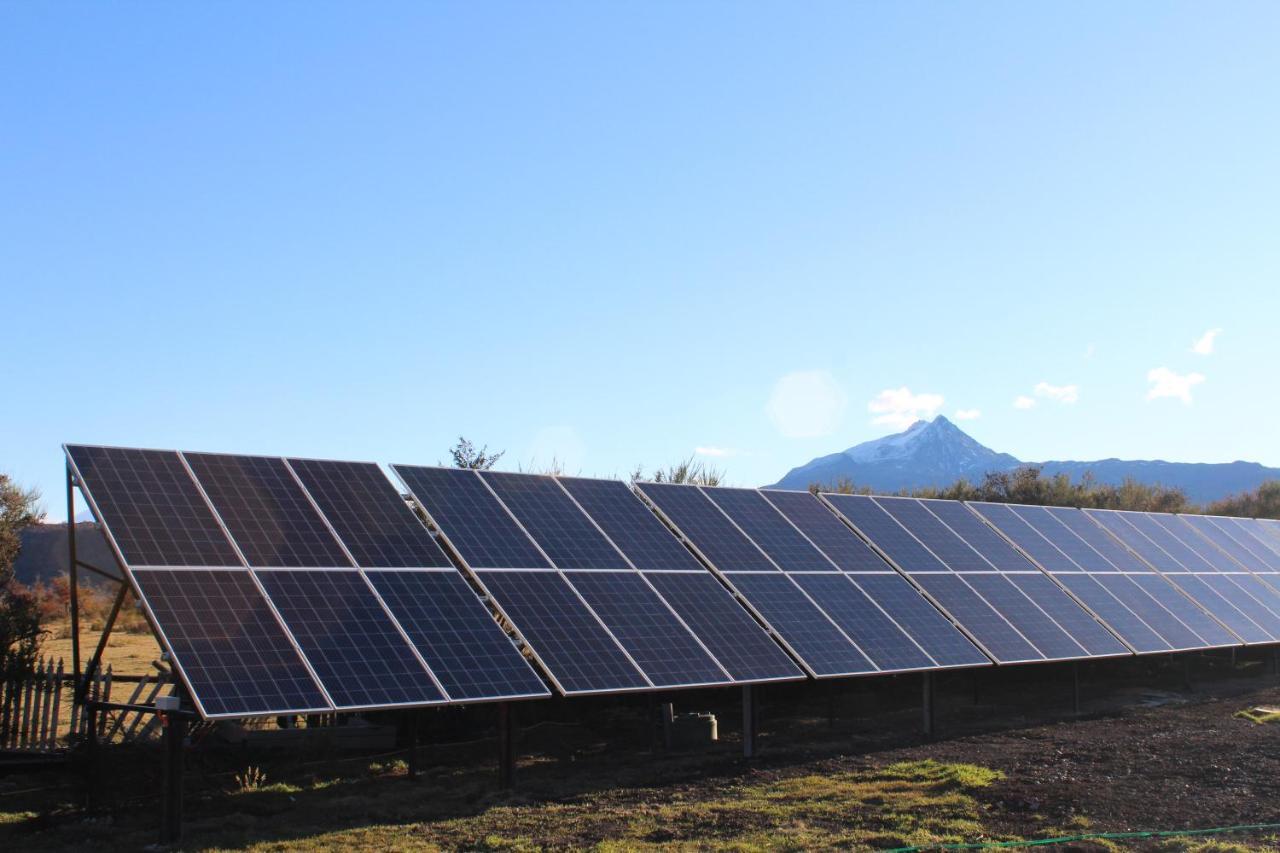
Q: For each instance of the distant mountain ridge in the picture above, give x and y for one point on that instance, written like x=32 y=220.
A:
x=937 y=453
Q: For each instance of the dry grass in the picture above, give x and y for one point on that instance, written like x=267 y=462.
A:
x=127 y=653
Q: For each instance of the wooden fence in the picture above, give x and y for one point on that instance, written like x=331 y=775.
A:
x=39 y=714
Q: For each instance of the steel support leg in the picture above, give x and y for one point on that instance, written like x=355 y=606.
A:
x=1075 y=687
x=506 y=746
x=750 y=713
x=926 y=704
x=175 y=734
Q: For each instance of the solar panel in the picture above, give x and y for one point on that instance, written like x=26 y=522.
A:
x=993 y=631
x=1082 y=627
x=1228 y=542
x=353 y=646
x=550 y=516
x=805 y=628
x=1026 y=537
x=369 y=515
x=710 y=530
x=1220 y=608
x=657 y=641
x=633 y=528
x=921 y=620
x=472 y=520
x=576 y=650
x=1252 y=534
x=892 y=538
x=730 y=633
x=1122 y=619
x=1259 y=589
x=857 y=615
x=457 y=637
x=979 y=536
x=934 y=535
x=1063 y=533
x=770 y=529
x=1188 y=613
x=226 y=643
x=1258 y=613
x=1045 y=634
x=1141 y=544
x=1271 y=528
x=1115 y=554
x=266 y=511
x=151 y=507
x=829 y=533
x=1180 y=541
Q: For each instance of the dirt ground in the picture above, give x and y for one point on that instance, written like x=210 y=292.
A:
x=1010 y=761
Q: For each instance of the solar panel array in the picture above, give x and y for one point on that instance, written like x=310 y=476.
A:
x=291 y=586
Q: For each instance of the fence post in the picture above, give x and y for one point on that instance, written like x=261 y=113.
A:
x=57 y=703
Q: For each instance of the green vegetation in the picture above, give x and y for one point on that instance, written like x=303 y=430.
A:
x=465 y=455
x=19 y=609
x=691 y=470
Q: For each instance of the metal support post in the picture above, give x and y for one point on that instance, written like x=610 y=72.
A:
x=506 y=746
x=750 y=714
x=73 y=564
x=175 y=735
x=1075 y=687
x=413 y=718
x=926 y=704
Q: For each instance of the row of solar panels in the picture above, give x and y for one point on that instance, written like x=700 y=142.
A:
x=295 y=586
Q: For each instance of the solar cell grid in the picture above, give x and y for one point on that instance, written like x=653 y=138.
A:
x=1027 y=537
x=631 y=525
x=661 y=646
x=997 y=636
x=741 y=646
x=1227 y=540
x=227 y=643
x=1180 y=541
x=1118 y=526
x=453 y=631
x=806 y=629
x=919 y=618
x=1220 y=608
x=566 y=636
x=1271 y=528
x=151 y=507
x=369 y=515
x=1038 y=628
x=978 y=535
x=550 y=516
x=1064 y=536
x=474 y=521
x=355 y=648
x=1241 y=600
x=881 y=528
x=1254 y=536
x=1114 y=553
x=266 y=511
x=770 y=529
x=1185 y=612
x=707 y=527
x=888 y=647
x=1128 y=624
x=1096 y=640
x=830 y=534
x=936 y=536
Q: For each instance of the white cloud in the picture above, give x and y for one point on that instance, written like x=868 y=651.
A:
x=1166 y=383
x=715 y=451
x=968 y=414
x=1065 y=394
x=1024 y=402
x=806 y=404
x=1203 y=345
x=898 y=407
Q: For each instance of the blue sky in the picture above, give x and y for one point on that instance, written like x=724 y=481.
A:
x=616 y=233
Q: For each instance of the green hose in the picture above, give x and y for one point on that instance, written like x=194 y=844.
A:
x=1040 y=842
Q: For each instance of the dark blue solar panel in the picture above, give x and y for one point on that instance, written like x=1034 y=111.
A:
x=1082 y=526
x=1064 y=531
x=945 y=545
x=1082 y=626
x=1185 y=611
x=1259 y=589
x=1181 y=541
x=632 y=526
x=1220 y=608
x=1258 y=613
x=732 y=635
x=707 y=528
x=225 y=640
x=1028 y=538
x=665 y=649
x=802 y=625
x=1119 y=527
x=369 y=515
x=1253 y=535
x=471 y=518
x=565 y=635
x=1271 y=528
x=1229 y=541
x=829 y=533
x=1121 y=618
x=878 y=637
x=919 y=618
x=891 y=537
x=456 y=635
x=1157 y=605
x=152 y=507
x=989 y=627
x=269 y=515
x=770 y=529
x=979 y=536
x=1031 y=622
x=352 y=644
x=555 y=522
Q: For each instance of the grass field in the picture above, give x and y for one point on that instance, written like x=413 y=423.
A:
x=126 y=653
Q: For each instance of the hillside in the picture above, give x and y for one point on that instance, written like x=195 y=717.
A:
x=44 y=552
